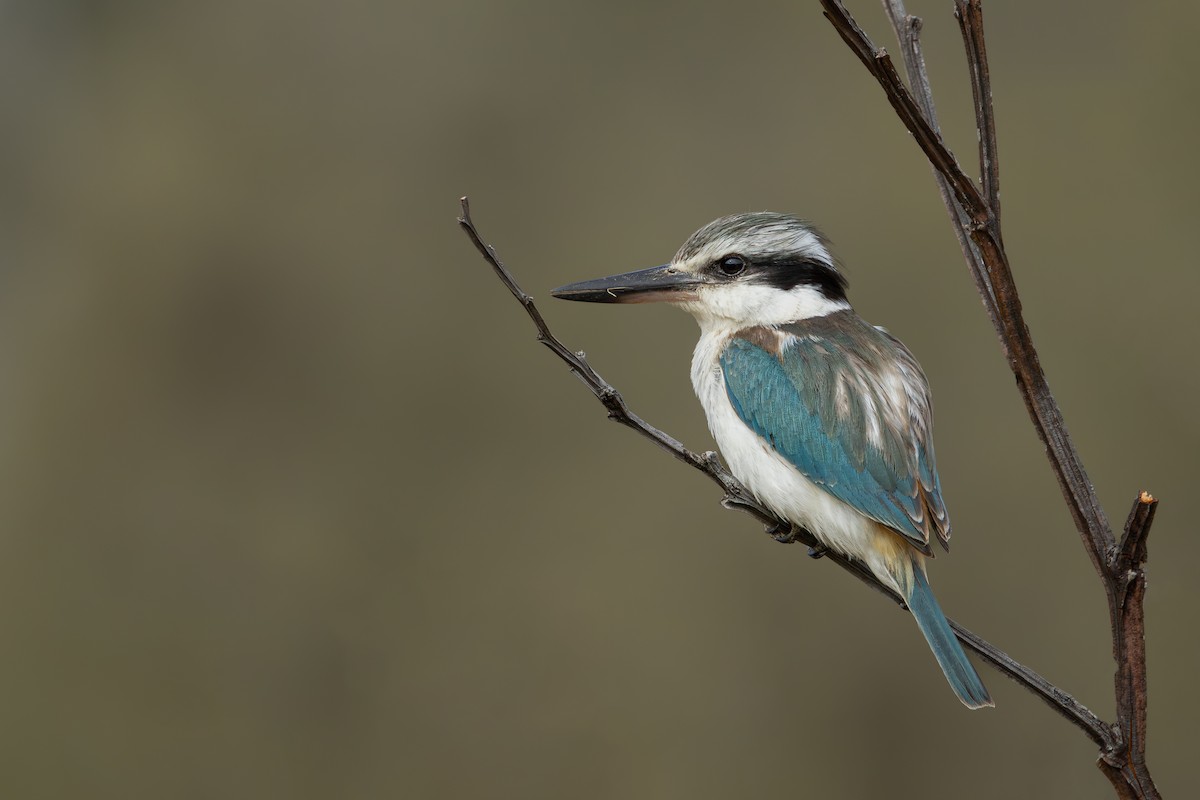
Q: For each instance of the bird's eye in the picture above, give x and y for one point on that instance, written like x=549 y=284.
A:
x=731 y=266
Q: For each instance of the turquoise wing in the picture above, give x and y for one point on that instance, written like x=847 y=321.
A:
x=849 y=408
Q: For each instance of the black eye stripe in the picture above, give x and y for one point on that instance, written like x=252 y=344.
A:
x=788 y=274
x=784 y=272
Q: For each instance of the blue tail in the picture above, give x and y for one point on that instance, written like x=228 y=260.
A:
x=949 y=653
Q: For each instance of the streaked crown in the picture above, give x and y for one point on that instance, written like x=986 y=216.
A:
x=779 y=250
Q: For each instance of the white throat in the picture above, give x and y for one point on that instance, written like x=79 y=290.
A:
x=746 y=306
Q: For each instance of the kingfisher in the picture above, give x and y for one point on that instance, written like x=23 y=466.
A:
x=824 y=417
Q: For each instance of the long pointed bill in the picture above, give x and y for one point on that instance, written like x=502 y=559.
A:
x=664 y=284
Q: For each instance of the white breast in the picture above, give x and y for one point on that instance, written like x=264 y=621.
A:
x=772 y=478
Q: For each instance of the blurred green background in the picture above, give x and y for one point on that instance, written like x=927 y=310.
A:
x=294 y=506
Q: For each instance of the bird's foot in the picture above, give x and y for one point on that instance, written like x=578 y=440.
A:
x=784 y=534
x=817 y=552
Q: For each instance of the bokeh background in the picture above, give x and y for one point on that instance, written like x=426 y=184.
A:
x=294 y=506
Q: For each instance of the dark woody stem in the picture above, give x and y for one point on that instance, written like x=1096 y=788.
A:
x=975 y=216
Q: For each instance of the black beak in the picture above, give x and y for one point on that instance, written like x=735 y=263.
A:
x=657 y=284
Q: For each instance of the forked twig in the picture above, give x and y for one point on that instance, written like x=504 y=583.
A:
x=969 y=14
x=908 y=34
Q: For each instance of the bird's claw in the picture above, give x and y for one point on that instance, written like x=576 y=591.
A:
x=783 y=534
x=786 y=534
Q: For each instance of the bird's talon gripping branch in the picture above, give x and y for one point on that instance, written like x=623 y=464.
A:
x=784 y=534
x=817 y=552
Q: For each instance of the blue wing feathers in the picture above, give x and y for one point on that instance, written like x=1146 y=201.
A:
x=812 y=401
x=795 y=402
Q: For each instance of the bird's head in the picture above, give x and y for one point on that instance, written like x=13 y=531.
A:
x=743 y=270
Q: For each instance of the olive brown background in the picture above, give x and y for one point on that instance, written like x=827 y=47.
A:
x=294 y=506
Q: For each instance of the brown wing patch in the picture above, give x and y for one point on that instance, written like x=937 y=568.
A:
x=768 y=339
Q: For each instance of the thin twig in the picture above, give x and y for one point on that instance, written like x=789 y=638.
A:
x=1131 y=553
x=969 y=14
x=1062 y=703
x=908 y=35
x=879 y=63
x=735 y=494
x=739 y=498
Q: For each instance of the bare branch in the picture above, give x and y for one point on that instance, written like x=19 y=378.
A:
x=1131 y=553
x=879 y=63
x=1062 y=703
x=739 y=498
x=1126 y=588
x=1118 y=565
x=969 y=14
x=735 y=494
x=908 y=35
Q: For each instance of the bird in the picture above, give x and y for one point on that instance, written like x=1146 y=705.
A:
x=824 y=417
